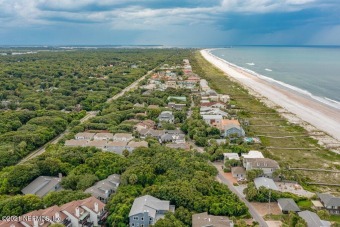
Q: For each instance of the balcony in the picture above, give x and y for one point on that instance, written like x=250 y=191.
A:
x=88 y=224
x=102 y=217
x=66 y=222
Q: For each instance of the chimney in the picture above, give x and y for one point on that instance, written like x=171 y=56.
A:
x=77 y=212
x=57 y=217
x=96 y=209
x=35 y=222
x=60 y=175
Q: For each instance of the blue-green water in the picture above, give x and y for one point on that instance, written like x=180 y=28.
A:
x=312 y=71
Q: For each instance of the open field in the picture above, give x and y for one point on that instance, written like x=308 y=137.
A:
x=264 y=122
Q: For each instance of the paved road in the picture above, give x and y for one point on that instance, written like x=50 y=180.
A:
x=88 y=115
x=256 y=216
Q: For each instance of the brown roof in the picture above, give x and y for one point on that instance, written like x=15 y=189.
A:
x=75 y=142
x=10 y=224
x=89 y=203
x=238 y=170
x=123 y=135
x=138 y=144
x=116 y=144
x=96 y=143
x=230 y=122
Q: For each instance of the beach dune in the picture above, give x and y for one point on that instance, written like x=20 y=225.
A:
x=321 y=116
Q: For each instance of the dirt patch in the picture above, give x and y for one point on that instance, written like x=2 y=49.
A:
x=265 y=208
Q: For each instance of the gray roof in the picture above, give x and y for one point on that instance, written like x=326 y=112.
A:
x=262 y=163
x=149 y=204
x=104 y=187
x=265 y=182
x=204 y=219
x=288 y=205
x=42 y=185
x=329 y=200
x=313 y=219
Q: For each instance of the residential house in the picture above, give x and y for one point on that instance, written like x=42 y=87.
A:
x=172 y=137
x=132 y=145
x=42 y=185
x=146 y=124
x=150 y=86
x=179 y=98
x=75 y=143
x=116 y=146
x=313 y=220
x=212 y=120
x=267 y=165
x=287 y=205
x=213 y=111
x=151 y=133
x=176 y=106
x=86 y=212
x=330 y=203
x=166 y=116
x=171 y=84
x=206 y=220
x=238 y=172
x=224 y=98
x=103 y=189
x=84 y=136
x=124 y=137
x=204 y=85
x=100 y=144
x=147 y=210
x=103 y=136
x=265 y=182
x=184 y=146
x=230 y=156
x=219 y=105
x=231 y=128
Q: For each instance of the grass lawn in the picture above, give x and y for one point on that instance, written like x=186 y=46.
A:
x=304 y=204
x=335 y=218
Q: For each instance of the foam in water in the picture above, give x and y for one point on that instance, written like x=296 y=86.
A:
x=324 y=100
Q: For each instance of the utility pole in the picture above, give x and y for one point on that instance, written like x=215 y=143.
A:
x=270 y=193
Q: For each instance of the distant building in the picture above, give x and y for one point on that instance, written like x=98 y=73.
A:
x=84 y=136
x=166 y=116
x=100 y=144
x=124 y=137
x=132 y=145
x=230 y=156
x=212 y=120
x=313 y=220
x=184 y=146
x=180 y=98
x=116 y=146
x=104 y=188
x=176 y=106
x=103 y=136
x=253 y=154
x=147 y=210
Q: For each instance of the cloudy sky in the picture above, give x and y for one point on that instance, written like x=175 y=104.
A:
x=170 y=22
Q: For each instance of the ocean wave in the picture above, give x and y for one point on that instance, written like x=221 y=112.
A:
x=269 y=70
x=251 y=63
x=324 y=100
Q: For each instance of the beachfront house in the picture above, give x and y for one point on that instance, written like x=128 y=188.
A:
x=267 y=165
x=207 y=220
x=231 y=128
x=212 y=120
x=313 y=220
x=287 y=205
x=330 y=203
x=265 y=182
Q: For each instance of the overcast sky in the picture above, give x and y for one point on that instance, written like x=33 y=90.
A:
x=170 y=22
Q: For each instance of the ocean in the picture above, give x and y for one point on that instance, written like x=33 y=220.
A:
x=311 y=71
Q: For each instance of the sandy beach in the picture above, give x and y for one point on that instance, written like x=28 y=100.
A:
x=319 y=115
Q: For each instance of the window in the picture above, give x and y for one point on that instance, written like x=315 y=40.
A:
x=135 y=217
x=142 y=219
x=133 y=224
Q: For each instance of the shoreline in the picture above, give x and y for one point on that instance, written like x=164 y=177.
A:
x=314 y=116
